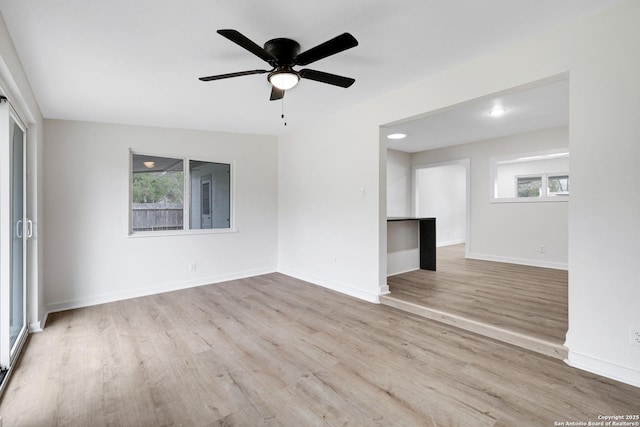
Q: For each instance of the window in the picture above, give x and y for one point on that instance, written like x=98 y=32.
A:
x=210 y=205
x=157 y=193
x=531 y=178
x=558 y=185
x=532 y=186
x=529 y=186
x=165 y=198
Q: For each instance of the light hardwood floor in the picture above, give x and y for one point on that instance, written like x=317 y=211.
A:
x=272 y=350
x=529 y=301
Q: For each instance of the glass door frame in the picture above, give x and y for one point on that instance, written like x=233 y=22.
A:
x=21 y=227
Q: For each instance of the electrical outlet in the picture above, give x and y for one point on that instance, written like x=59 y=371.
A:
x=634 y=336
x=193 y=267
x=542 y=249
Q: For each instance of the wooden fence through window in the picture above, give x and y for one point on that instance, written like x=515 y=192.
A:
x=157 y=216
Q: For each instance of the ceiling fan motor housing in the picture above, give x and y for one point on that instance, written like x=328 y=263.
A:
x=283 y=50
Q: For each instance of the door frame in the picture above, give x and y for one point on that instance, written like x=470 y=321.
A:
x=10 y=353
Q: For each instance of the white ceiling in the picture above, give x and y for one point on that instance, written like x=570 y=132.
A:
x=137 y=61
x=527 y=109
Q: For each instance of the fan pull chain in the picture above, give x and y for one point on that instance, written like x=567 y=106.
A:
x=282 y=115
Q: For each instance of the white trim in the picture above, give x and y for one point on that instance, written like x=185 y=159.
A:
x=8 y=355
x=604 y=368
x=39 y=325
x=338 y=287
x=546 y=199
x=521 y=261
x=186 y=200
x=190 y=232
x=14 y=106
x=167 y=287
x=451 y=243
x=395 y=273
x=6 y=231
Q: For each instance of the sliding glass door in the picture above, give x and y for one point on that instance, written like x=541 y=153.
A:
x=14 y=231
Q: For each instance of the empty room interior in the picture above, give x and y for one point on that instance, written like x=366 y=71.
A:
x=416 y=214
x=511 y=282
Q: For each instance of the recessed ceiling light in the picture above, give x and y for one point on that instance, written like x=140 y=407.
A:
x=397 y=136
x=497 y=112
x=149 y=165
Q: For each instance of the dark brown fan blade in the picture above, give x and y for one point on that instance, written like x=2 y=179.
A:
x=328 y=78
x=331 y=47
x=244 y=42
x=229 y=75
x=276 y=94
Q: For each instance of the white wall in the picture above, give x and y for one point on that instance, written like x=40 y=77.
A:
x=320 y=211
x=329 y=207
x=441 y=193
x=398 y=184
x=89 y=257
x=509 y=232
x=14 y=84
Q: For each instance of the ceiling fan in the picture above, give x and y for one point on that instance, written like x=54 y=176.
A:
x=283 y=54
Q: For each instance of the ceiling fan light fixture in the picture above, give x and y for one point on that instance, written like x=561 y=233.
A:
x=284 y=79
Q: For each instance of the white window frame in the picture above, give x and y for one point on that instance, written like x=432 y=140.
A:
x=186 y=197
x=553 y=175
x=544 y=197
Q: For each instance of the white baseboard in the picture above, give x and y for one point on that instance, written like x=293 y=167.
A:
x=450 y=243
x=604 y=368
x=521 y=261
x=395 y=273
x=338 y=287
x=39 y=325
x=167 y=287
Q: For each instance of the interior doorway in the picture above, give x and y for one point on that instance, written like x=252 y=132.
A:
x=442 y=191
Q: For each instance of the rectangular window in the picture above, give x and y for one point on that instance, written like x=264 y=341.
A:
x=533 y=186
x=210 y=195
x=157 y=193
x=159 y=201
x=529 y=186
x=558 y=185
x=531 y=177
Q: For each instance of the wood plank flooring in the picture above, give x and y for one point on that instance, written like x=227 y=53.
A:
x=274 y=351
x=528 y=301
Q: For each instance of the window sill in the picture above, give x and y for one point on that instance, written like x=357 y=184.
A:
x=143 y=234
x=558 y=199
